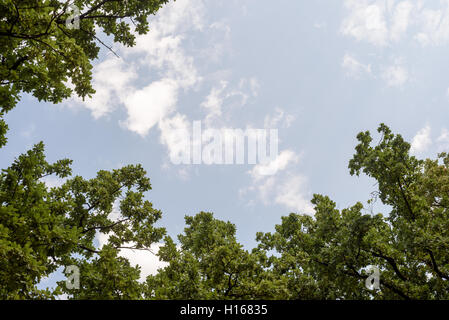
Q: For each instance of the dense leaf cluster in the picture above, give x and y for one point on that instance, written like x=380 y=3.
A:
x=42 y=53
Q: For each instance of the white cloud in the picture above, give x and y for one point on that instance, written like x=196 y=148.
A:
x=148 y=106
x=219 y=42
x=280 y=118
x=214 y=101
x=289 y=191
x=265 y=189
x=292 y=194
x=400 y=19
x=252 y=83
x=434 y=25
x=175 y=134
x=366 y=21
x=165 y=54
x=383 y=22
x=184 y=173
x=221 y=25
x=443 y=140
x=112 y=81
x=353 y=67
x=160 y=54
x=148 y=81
x=283 y=159
x=395 y=75
x=161 y=49
x=421 y=141
x=180 y=16
x=223 y=96
x=286 y=187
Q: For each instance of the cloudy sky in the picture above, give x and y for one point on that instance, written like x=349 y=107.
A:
x=318 y=71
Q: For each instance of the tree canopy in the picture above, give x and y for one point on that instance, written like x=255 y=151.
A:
x=47 y=46
x=209 y=263
x=324 y=256
x=327 y=256
x=43 y=228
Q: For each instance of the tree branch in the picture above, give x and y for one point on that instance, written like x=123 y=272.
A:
x=435 y=266
x=105 y=227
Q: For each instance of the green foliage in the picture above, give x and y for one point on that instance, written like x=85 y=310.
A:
x=209 y=263
x=42 y=228
x=40 y=54
x=106 y=277
x=325 y=257
x=321 y=257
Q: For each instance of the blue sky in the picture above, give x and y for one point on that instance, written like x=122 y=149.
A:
x=318 y=71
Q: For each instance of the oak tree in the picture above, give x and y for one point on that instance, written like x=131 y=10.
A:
x=44 y=228
x=209 y=263
x=326 y=256
x=47 y=44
